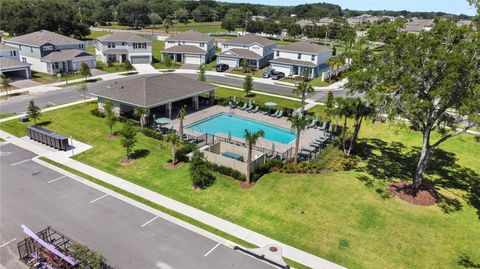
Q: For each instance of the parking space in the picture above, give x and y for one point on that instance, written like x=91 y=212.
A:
x=128 y=236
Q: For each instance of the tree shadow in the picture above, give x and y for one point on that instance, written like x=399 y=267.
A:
x=385 y=162
x=44 y=123
x=467 y=262
x=140 y=153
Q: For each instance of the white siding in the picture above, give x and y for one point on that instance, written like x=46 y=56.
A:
x=286 y=69
x=231 y=62
x=192 y=59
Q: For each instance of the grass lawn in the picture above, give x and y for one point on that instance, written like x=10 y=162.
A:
x=6 y=115
x=335 y=216
x=95 y=34
x=47 y=78
x=258 y=98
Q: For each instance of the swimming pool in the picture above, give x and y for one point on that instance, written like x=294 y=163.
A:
x=235 y=125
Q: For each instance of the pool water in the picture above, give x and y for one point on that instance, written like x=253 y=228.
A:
x=235 y=125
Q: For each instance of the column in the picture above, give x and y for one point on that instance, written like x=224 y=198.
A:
x=211 y=97
x=195 y=102
x=169 y=110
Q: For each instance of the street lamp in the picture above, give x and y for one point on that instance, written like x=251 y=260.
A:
x=71 y=142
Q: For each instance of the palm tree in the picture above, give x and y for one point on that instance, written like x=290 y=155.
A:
x=251 y=140
x=173 y=139
x=181 y=115
x=142 y=113
x=334 y=62
x=302 y=89
x=299 y=123
x=167 y=23
x=6 y=83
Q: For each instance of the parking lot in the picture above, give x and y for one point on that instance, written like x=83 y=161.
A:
x=127 y=236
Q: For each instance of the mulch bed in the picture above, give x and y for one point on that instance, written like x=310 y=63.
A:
x=126 y=161
x=245 y=185
x=111 y=137
x=426 y=195
x=170 y=166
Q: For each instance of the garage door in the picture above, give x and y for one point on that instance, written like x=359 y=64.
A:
x=281 y=68
x=140 y=59
x=228 y=61
x=192 y=59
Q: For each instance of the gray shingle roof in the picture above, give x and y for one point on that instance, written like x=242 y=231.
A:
x=185 y=49
x=250 y=39
x=6 y=47
x=292 y=62
x=191 y=36
x=242 y=53
x=8 y=63
x=304 y=46
x=123 y=36
x=152 y=90
x=41 y=37
x=65 y=55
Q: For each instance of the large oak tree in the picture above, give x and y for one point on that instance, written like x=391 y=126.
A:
x=431 y=80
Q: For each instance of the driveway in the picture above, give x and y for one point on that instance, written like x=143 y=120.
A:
x=145 y=68
x=24 y=83
x=128 y=236
x=190 y=66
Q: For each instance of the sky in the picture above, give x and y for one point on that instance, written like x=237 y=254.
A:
x=449 y=6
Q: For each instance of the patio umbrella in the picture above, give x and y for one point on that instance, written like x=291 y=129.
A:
x=270 y=104
x=229 y=135
x=163 y=121
x=234 y=99
x=273 y=147
x=250 y=102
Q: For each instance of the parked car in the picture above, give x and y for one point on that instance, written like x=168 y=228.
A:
x=268 y=73
x=221 y=67
x=277 y=75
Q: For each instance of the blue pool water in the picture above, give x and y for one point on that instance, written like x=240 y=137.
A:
x=235 y=125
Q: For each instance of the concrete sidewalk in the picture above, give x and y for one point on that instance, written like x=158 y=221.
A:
x=206 y=218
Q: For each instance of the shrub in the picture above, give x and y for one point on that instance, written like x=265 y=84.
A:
x=201 y=177
x=227 y=171
x=181 y=153
x=152 y=133
x=97 y=113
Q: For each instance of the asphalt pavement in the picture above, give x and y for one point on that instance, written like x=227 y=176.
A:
x=127 y=236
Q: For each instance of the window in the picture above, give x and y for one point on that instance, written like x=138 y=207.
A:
x=313 y=57
x=139 y=45
x=24 y=59
x=31 y=49
x=55 y=65
x=278 y=53
x=47 y=48
x=13 y=53
x=225 y=46
x=111 y=44
x=202 y=45
x=80 y=46
x=299 y=56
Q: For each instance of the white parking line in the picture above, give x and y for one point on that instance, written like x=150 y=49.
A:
x=8 y=242
x=101 y=197
x=143 y=225
x=24 y=161
x=210 y=251
x=53 y=180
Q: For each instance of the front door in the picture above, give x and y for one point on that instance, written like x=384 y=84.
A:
x=124 y=57
x=295 y=70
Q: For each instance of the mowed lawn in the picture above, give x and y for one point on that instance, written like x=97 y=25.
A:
x=335 y=216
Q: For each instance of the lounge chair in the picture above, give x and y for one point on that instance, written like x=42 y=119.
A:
x=330 y=128
x=230 y=104
x=314 y=122
x=279 y=114
x=255 y=110
x=324 y=126
x=275 y=114
x=244 y=106
x=249 y=108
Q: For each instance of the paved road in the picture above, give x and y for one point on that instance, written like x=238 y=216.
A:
x=127 y=236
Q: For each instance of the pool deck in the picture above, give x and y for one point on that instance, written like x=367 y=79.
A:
x=307 y=136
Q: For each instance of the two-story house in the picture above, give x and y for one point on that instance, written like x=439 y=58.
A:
x=51 y=53
x=10 y=64
x=302 y=58
x=256 y=51
x=190 y=47
x=122 y=46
